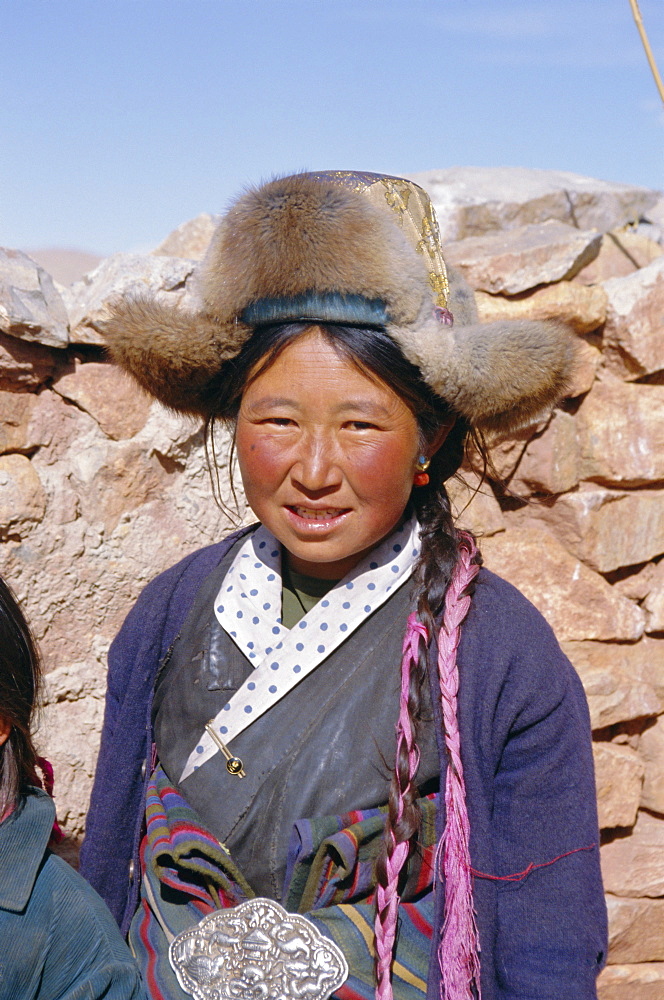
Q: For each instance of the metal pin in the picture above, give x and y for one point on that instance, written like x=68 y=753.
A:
x=233 y=764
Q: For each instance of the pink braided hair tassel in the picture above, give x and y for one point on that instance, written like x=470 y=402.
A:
x=387 y=899
x=458 y=951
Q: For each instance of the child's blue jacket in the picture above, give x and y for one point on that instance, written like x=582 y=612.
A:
x=57 y=939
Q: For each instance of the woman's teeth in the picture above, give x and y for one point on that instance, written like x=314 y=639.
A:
x=317 y=515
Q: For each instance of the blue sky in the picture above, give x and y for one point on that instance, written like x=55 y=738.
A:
x=122 y=118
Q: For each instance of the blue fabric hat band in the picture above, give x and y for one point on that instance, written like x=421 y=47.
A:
x=322 y=307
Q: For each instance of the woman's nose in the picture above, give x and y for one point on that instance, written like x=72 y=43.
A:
x=316 y=467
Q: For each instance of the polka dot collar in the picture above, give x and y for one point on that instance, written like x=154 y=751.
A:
x=248 y=607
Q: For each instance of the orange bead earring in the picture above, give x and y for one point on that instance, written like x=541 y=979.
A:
x=421 y=477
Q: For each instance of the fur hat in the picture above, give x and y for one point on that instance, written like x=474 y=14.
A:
x=348 y=248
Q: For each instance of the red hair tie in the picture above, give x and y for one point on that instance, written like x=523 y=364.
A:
x=46 y=782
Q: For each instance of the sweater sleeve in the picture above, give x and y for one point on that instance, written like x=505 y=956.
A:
x=551 y=922
x=543 y=865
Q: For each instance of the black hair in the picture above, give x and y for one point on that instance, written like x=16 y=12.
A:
x=20 y=685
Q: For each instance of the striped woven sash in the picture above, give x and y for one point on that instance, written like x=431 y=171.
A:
x=330 y=876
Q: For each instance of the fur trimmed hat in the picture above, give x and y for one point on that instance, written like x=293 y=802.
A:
x=350 y=248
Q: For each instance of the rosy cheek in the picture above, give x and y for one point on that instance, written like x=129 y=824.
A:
x=261 y=458
x=384 y=470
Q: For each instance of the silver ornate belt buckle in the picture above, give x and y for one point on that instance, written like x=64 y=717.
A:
x=257 y=951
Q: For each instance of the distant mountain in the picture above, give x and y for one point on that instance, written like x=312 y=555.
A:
x=65 y=266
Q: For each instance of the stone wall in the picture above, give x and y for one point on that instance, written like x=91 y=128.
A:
x=100 y=489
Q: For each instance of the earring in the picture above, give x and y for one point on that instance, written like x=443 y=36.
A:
x=421 y=477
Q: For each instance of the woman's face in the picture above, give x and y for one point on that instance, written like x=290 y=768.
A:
x=327 y=456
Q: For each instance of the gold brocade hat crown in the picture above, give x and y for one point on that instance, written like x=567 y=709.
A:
x=413 y=212
x=349 y=248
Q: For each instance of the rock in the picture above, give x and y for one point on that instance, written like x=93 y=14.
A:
x=191 y=239
x=634 y=865
x=636 y=930
x=15 y=412
x=622 y=252
x=647 y=587
x=122 y=274
x=652 y=225
x=474 y=505
x=645 y=663
x=30 y=307
x=550 y=462
x=610 y=673
x=577 y=603
x=606 y=529
x=618 y=776
x=614 y=698
x=107 y=394
x=505 y=450
x=654 y=602
x=655 y=213
x=582 y=308
x=65 y=266
x=649 y=230
x=633 y=344
x=620 y=433
x=94 y=552
x=25 y=366
x=74 y=703
x=587 y=361
x=637 y=585
x=54 y=428
x=631 y=982
x=523 y=258
x=22 y=498
x=470 y=201
x=651 y=749
x=111 y=480
x=118 y=514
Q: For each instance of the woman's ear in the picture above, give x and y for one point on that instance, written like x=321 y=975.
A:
x=439 y=437
x=5 y=730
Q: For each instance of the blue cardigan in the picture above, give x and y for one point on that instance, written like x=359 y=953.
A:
x=525 y=737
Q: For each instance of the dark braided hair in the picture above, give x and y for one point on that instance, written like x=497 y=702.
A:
x=20 y=682
x=378 y=357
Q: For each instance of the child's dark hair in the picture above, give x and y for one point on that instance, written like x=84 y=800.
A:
x=20 y=684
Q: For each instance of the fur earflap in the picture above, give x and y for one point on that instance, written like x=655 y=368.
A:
x=500 y=375
x=504 y=375
x=462 y=299
x=175 y=355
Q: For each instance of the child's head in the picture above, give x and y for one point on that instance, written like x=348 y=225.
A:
x=20 y=677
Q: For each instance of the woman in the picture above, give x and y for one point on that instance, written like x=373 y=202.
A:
x=258 y=681
x=57 y=938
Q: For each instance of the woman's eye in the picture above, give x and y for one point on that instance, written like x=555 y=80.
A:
x=361 y=425
x=278 y=421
